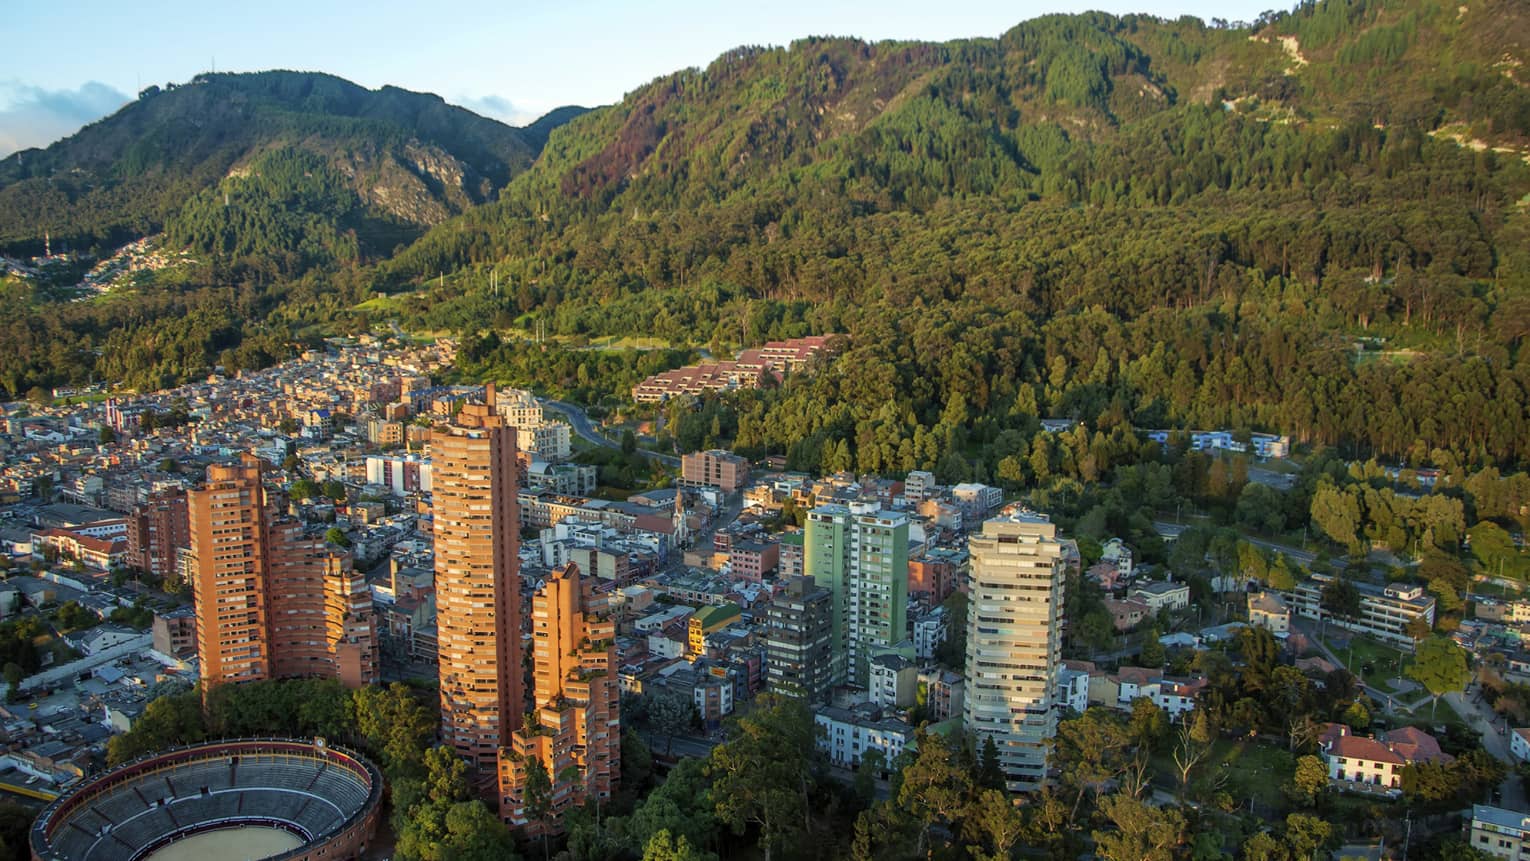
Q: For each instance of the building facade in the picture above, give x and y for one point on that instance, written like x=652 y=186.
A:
x=798 y=641
x=577 y=736
x=156 y=530
x=1499 y=832
x=478 y=594
x=860 y=554
x=1014 y=642
x=1385 y=611
x=271 y=599
x=716 y=468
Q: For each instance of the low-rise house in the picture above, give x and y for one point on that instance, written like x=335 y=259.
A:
x=1519 y=744
x=1364 y=764
x=1128 y=614
x=849 y=734
x=1163 y=595
x=1268 y=610
x=1498 y=832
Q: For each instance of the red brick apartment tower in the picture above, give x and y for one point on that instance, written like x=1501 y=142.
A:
x=271 y=600
x=478 y=594
x=155 y=529
x=229 y=540
x=577 y=735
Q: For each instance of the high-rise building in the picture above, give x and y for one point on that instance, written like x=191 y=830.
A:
x=576 y=739
x=272 y=600
x=228 y=542
x=1014 y=642
x=860 y=554
x=798 y=641
x=478 y=593
x=155 y=530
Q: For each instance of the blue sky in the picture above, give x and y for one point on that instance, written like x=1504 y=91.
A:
x=66 y=64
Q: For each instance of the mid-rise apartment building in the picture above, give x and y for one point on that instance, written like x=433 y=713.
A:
x=156 y=530
x=1385 y=611
x=798 y=641
x=715 y=468
x=577 y=737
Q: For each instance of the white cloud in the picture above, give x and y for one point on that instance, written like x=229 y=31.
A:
x=32 y=116
x=500 y=108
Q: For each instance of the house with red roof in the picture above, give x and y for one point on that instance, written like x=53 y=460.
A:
x=1363 y=764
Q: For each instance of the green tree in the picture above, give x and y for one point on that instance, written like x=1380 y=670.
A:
x=867 y=771
x=1153 y=653
x=762 y=775
x=1309 y=781
x=538 y=798
x=994 y=825
x=934 y=791
x=1440 y=666
x=990 y=770
x=1148 y=725
x=1341 y=598
x=1139 y=832
x=665 y=847
x=335 y=535
x=107 y=436
x=1091 y=752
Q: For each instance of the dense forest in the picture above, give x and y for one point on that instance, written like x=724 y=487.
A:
x=1313 y=224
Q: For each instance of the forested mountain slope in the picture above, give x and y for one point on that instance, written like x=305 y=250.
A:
x=1315 y=225
x=409 y=156
x=281 y=185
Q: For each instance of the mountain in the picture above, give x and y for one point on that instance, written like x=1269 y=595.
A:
x=408 y=158
x=1313 y=224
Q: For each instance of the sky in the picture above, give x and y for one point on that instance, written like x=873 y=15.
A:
x=67 y=64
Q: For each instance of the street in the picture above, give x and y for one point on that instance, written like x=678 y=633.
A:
x=1482 y=719
x=587 y=431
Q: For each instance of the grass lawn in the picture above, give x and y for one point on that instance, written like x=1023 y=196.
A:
x=1254 y=770
x=1250 y=769
x=1384 y=662
x=615 y=494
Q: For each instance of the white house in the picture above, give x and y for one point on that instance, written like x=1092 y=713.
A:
x=848 y=734
x=1519 y=744
x=1163 y=595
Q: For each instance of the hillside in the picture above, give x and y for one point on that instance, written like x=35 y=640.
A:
x=1116 y=219
x=408 y=157
x=1315 y=225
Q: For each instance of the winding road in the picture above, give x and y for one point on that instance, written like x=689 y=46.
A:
x=587 y=431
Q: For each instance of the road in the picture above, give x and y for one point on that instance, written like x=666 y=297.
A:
x=587 y=431
x=1172 y=530
x=1482 y=719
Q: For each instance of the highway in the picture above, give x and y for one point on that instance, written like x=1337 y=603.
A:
x=587 y=431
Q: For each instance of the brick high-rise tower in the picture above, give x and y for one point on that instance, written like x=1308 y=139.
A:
x=228 y=539
x=577 y=737
x=272 y=601
x=478 y=593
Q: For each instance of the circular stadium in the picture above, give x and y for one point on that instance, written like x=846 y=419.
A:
x=219 y=801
